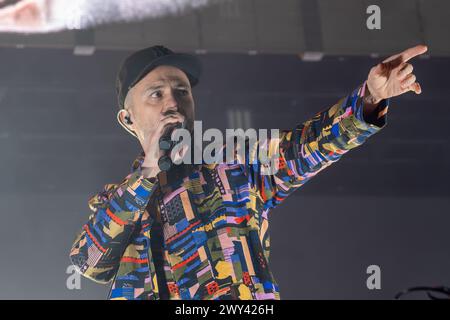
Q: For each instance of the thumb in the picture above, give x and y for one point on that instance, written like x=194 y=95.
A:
x=415 y=87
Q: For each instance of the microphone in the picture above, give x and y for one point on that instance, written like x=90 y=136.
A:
x=166 y=144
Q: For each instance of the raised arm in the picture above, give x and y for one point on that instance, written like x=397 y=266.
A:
x=314 y=145
x=323 y=139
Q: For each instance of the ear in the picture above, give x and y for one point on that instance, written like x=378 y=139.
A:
x=121 y=114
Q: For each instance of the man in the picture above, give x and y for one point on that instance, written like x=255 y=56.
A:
x=201 y=232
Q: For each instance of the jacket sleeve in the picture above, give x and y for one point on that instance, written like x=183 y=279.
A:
x=309 y=148
x=101 y=242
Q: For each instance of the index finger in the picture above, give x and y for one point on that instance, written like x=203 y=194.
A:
x=413 y=52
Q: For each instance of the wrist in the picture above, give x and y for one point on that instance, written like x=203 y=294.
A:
x=149 y=172
x=370 y=98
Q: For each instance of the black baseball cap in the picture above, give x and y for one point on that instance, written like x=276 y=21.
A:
x=140 y=63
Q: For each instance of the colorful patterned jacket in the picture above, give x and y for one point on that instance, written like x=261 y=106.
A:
x=214 y=218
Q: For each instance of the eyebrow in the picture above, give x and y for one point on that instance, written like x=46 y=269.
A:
x=159 y=85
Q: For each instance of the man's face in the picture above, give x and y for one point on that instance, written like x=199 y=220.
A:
x=164 y=90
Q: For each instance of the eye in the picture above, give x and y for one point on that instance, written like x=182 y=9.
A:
x=156 y=94
x=183 y=92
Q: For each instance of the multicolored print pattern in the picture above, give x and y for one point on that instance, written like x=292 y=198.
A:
x=213 y=219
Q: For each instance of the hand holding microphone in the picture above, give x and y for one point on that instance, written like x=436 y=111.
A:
x=166 y=143
x=158 y=145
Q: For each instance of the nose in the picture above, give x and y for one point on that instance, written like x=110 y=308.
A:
x=170 y=103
